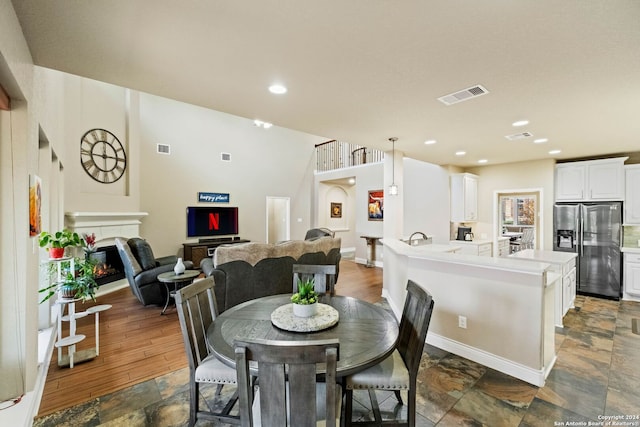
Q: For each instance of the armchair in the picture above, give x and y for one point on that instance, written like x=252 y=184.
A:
x=142 y=268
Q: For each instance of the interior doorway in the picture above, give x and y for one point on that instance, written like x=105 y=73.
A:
x=278 y=219
x=516 y=212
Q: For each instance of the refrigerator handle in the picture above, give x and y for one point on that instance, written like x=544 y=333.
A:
x=581 y=249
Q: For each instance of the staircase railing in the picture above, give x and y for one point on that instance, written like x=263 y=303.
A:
x=335 y=154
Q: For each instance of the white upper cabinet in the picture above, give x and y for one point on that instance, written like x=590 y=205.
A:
x=591 y=180
x=464 y=197
x=632 y=198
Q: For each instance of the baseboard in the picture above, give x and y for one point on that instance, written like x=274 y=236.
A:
x=530 y=375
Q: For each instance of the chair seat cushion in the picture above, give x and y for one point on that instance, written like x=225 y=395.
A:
x=212 y=370
x=390 y=374
x=320 y=406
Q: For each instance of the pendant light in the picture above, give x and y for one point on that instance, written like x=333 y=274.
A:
x=393 y=188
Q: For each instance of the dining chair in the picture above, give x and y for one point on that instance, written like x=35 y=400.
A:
x=400 y=370
x=324 y=277
x=197 y=309
x=525 y=242
x=288 y=393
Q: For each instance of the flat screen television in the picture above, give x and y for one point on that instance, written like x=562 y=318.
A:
x=203 y=221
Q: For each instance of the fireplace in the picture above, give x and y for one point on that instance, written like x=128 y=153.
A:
x=109 y=267
x=107 y=226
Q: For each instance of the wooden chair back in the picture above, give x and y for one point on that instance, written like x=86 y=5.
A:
x=196 y=306
x=414 y=324
x=324 y=277
x=287 y=380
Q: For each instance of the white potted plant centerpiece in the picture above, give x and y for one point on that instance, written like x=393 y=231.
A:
x=305 y=301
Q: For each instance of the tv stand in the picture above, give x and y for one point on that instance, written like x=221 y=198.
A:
x=196 y=252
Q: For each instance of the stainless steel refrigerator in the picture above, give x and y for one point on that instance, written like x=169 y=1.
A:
x=592 y=230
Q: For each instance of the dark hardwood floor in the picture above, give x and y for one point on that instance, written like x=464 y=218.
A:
x=138 y=344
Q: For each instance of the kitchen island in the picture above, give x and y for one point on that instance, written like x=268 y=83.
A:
x=563 y=263
x=507 y=306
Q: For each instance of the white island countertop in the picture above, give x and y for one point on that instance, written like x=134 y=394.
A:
x=630 y=250
x=552 y=257
x=476 y=242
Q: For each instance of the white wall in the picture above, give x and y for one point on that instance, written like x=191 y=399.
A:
x=264 y=162
x=367 y=177
x=515 y=176
x=426 y=201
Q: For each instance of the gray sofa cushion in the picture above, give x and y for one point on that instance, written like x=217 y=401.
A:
x=252 y=270
x=143 y=253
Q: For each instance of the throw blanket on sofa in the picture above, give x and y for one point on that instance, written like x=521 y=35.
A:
x=252 y=270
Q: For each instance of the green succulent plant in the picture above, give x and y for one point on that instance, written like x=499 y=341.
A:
x=306 y=293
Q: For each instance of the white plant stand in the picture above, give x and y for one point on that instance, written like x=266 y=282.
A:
x=72 y=339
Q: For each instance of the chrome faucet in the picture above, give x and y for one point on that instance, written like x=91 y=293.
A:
x=424 y=236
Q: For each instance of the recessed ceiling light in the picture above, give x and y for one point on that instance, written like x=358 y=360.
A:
x=352 y=180
x=520 y=123
x=460 y=153
x=555 y=151
x=430 y=141
x=483 y=161
x=261 y=124
x=277 y=89
x=540 y=140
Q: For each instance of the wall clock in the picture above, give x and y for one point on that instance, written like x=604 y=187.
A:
x=102 y=156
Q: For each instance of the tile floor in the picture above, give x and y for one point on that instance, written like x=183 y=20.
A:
x=597 y=374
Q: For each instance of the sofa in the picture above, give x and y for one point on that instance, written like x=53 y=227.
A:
x=252 y=270
x=141 y=268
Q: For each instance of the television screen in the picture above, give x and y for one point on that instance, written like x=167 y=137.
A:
x=211 y=221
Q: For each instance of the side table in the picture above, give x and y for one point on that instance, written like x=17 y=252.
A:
x=371 y=249
x=178 y=281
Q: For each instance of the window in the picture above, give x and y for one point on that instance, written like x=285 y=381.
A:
x=517 y=211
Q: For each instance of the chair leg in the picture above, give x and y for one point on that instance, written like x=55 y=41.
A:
x=348 y=406
x=194 y=402
x=219 y=389
x=411 y=409
x=398 y=396
x=375 y=406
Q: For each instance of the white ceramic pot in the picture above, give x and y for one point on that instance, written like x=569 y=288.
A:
x=179 y=268
x=306 y=310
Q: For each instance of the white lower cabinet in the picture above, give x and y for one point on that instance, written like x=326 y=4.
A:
x=563 y=264
x=480 y=248
x=503 y=246
x=632 y=274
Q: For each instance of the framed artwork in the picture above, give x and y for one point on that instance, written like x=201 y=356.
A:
x=35 y=203
x=336 y=210
x=376 y=205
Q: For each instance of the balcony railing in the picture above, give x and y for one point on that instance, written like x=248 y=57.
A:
x=334 y=154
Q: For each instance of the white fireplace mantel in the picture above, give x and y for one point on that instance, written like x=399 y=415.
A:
x=105 y=225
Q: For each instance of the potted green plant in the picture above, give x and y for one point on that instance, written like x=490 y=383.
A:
x=305 y=300
x=57 y=242
x=79 y=283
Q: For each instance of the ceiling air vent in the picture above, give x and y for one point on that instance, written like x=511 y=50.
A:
x=517 y=136
x=463 y=95
x=164 y=149
x=225 y=157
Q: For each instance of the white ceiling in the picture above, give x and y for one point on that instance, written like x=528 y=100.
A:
x=362 y=71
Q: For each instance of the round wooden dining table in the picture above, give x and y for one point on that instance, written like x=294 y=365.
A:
x=367 y=332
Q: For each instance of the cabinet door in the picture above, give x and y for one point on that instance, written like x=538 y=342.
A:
x=606 y=180
x=570 y=181
x=632 y=278
x=568 y=291
x=464 y=197
x=470 y=198
x=632 y=200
